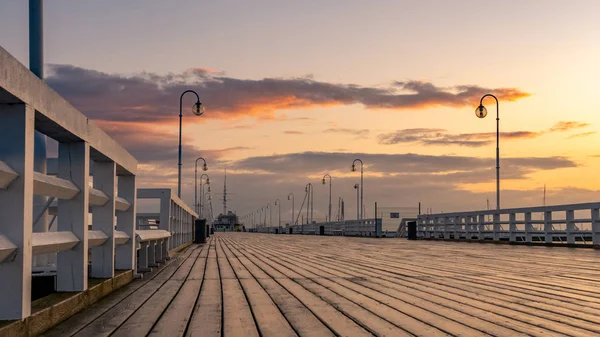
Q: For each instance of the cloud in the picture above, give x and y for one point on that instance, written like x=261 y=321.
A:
x=391 y=180
x=159 y=147
x=153 y=97
x=440 y=137
x=293 y=132
x=305 y=163
x=566 y=126
x=426 y=136
x=583 y=134
x=358 y=133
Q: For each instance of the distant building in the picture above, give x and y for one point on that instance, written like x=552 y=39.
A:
x=228 y=223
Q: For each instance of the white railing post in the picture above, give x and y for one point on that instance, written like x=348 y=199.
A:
x=512 y=227
x=143 y=258
x=548 y=227
x=16 y=209
x=445 y=223
x=469 y=227
x=165 y=216
x=103 y=218
x=528 y=227
x=125 y=253
x=595 y=226
x=152 y=248
x=458 y=226
x=72 y=265
x=570 y=226
x=496 y=226
x=481 y=228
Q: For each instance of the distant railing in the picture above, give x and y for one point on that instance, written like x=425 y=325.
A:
x=575 y=224
x=174 y=217
x=28 y=105
x=366 y=227
x=152 y=248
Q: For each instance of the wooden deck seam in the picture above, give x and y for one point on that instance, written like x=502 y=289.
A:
x=297 y=299
x=341 y=312
x=508 y=308
x=158 y=289
x=409 y=304
x=351 y=301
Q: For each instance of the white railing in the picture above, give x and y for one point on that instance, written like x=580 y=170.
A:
x=174 y=217
x=560 y=224
x=366 y=227
x=28 y=105
x=152 y=248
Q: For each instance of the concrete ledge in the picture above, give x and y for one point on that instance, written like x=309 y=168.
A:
x=532 y=244
x=53 y=309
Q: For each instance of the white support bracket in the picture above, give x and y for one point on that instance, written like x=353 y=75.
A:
x=6 y=247
x=53 y=242
x=7 y=175
x=50 y=186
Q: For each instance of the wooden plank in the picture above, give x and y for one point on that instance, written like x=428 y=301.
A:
x=420 y=311
x=269 y=319
x=112 y=319
x=570 y=327
x=302 y=319
x=83 y=318
x=142 y=321
x=238 y=319
x=175 y=319
x=382 y=319
x=207 y=314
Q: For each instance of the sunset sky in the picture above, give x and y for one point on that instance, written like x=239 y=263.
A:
x=297 y=89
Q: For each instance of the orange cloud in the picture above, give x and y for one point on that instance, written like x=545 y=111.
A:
x=152 y=97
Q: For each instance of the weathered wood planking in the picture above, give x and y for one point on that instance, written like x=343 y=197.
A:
x=242 y=284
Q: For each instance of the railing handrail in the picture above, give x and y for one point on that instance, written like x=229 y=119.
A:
x=534 y=209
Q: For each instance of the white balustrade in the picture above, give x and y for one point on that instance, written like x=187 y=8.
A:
x=365 y=227
x=558 y=224
x=28 y=105
x=174 y=216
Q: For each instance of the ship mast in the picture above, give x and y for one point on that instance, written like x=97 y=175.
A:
x=225 y=193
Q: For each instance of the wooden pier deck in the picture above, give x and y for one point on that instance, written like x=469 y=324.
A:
x=242 y=284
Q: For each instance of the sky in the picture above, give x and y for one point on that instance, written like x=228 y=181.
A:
x=297 y=89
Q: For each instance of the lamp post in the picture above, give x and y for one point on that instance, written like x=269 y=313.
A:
x=481 y=112
x=362 y=186
x=204 y=168
x=327 y=175
x=201 y=204
x=278 y=204
x=270 y=215
x=202 y=197
x=293 y=211
x=356 y=186
x=309 y=190
x=198 y=110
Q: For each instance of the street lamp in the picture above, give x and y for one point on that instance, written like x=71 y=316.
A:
x=201 y=190
x=278 y=203
x=270 y=215
x=357 y=209
x=327 y=175
x=202 y=197
x=481 y=112
x=198 y=110
x=293 y=211
x=204 y=168
x=362 y=186
x=310 y=202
